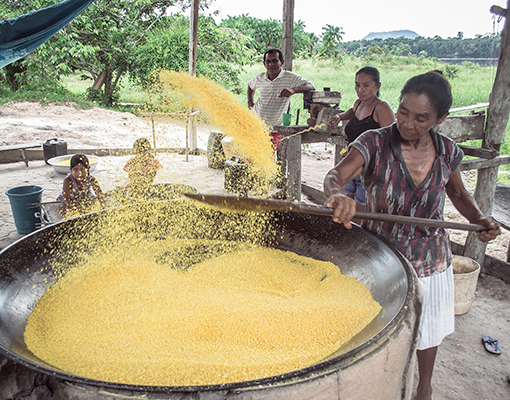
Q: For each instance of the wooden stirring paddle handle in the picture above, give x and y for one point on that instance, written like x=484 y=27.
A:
x=237 y=203
x=434 y=223
x=398 y=219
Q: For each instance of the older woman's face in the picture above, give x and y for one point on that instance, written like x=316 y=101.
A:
x=415 y=116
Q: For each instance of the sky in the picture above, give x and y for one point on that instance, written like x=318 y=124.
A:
x=427 y=18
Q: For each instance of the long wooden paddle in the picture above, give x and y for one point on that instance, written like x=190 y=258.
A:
x=236 y=203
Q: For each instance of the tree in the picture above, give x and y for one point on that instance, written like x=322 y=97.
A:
x=221 y=52
x=331 y=39
x=482 y=46
x=402 y=49
x=266 y=34
x=303 y=42
x=313 y=39
x=17 y=74
x=101 y=40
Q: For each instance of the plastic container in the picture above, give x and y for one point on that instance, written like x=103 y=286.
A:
x=237 y=176
x=215 y=154
x=25 y=204
x=465 y=275
x=286 y=119
x=53 y=148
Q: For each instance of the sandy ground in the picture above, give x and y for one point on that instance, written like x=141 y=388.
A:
x=464 y=370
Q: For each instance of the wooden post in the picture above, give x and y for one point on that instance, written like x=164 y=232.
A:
x=497 y=120
x=153 y=132
x=193 y=39
x=288 y=33
x=187 y=141
x=294 y=168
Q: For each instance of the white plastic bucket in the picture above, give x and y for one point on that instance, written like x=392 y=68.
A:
x=465 y=275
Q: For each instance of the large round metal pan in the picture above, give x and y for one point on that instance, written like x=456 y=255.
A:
x=25 y=275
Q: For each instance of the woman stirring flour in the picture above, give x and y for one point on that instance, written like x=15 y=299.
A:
x=407 y=169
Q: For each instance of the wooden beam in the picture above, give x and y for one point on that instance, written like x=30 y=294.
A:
x=193 y=37
x=467 y=165
x=193 y=41
x=294 y=168
x=124 y=152
x=477 y=152
x=315 y=195
x=499 y=108
x=288 y=33
x=473 y=107
x=463 y=127
x=330 y=135
x=294 y=136
x=498 y=11
x=497 y=120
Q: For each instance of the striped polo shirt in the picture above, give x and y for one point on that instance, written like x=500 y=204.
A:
x=269 y=107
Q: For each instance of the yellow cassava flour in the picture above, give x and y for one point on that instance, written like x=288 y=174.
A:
x=239 y=316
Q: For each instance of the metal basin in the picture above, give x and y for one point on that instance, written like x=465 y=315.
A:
x=25 y=275
x=62 y=164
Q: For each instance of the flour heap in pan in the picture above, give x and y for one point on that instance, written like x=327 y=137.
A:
x=248 y=314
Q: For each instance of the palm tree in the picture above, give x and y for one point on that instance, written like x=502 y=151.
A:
x=331 y=38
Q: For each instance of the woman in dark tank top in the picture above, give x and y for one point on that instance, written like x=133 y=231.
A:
x=356 y=127
x=368 y=112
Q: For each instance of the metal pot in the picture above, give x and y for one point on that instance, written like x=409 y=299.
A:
x=384 y=349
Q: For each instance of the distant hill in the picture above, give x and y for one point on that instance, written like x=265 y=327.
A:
x=393 y=34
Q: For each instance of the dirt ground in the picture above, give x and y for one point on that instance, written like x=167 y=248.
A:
x=464 y=370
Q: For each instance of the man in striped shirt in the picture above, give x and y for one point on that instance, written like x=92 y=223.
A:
x=275 y=88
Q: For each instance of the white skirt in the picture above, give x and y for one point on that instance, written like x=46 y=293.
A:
x=438 y=309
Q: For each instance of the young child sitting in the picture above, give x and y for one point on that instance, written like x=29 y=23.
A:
x=142 y=168
x=80 y=189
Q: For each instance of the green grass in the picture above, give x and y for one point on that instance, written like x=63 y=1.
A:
x=43 y=95
x=129 y=92
x=75 y=84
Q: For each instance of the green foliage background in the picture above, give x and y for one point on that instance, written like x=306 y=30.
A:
x=221 y=52
x=482 y=46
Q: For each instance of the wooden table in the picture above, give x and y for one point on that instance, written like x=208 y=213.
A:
x=296 y=136
x=22 y=147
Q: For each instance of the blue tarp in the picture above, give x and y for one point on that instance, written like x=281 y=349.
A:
x=20 y=36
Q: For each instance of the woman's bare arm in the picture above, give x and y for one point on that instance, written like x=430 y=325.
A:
x=335 y=119
x=345 y=171
x=466 y=205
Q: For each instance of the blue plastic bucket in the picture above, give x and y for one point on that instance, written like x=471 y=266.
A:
x=24 y=205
